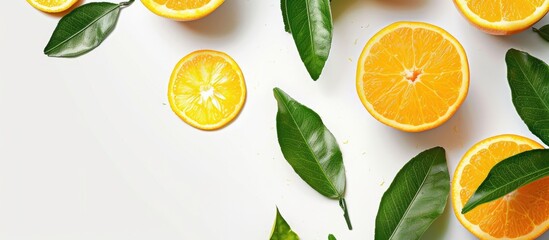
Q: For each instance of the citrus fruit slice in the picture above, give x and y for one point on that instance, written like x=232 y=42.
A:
x=52 y=6
x=207 y=89
x=522 y=214
x=412 y=76
x=182 y=10
x=503 y=17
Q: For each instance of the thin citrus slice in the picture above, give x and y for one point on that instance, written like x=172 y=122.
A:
x=503 y=17
x=52 y=6
x=522 y=214
x=182 y=10
x=412 y=76
x=207 y=89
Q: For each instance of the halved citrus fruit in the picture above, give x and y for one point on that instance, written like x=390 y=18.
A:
x=182 y=10
x=52 y=6
x=207 y=89
x=522 y=214
x=412 y=76
x=503 y=17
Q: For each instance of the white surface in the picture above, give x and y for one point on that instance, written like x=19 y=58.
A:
x=90 y=150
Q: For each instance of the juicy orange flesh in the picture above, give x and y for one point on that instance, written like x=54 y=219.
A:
x=503 y=10
x=412 y=76
x=514 y=215
x=51 y=3
x=182 y=4
x=207 y=89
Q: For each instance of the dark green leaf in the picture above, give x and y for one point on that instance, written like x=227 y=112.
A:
x=543 y=32
x=310 y=148
x=331 y=237
x=83 y=29
x=529 y=81
x=310 y=22
x=417 y=196
x=281 y=229
x=509 y=175
x=283 y=4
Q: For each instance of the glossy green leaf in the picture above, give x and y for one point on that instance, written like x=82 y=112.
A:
x=283 y=5
x=417 y=196
x=509 y=175
x=331 y=237
x=543 y=32
x=529 y=81
x=310 y=148
x=310 y=22
x=83 y=29
x=281 y=229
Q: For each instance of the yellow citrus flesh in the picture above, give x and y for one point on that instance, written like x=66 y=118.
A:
x=522 y=214
x=52 y=6
x=503 y=17
x=207 y=89
x=412 y=76
x=182 y=10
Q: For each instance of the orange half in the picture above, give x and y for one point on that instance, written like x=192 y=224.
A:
x=412 y=76
x=207 y=89
x=182 y=10
x=522 y=214
x=52 y=6
x=503 y=17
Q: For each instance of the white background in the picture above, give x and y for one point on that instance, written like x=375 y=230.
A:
x=89 y=148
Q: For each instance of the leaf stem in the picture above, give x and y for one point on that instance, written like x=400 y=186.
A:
x=535 y=29
x=343 y=205
x=125 y=4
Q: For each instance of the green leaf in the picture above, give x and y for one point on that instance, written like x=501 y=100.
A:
x=543 y=32
x=529 y=81
x=509 y=175
x=310 y=148
x=281 y=229
x=83 y=29
x=417 y=196
x=283 y=5
x=310 y=22
x=331 y=237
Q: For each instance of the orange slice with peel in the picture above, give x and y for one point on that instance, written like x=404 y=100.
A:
x=503 y=17
x=52 y=6
x=522 y=214
x=207 y=89
x=185 y=10
x=412 y=76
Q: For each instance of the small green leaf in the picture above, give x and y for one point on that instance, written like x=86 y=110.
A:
x=543 y=32
x=83 y=29
x=331 y=237
x=310 y=148
x=529 y=81
x=310 y=22
x=417 y=196
x=509 y=175
x=281 y=229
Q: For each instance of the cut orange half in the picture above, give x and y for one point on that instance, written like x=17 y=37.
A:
x=182 y=10
x=503 y=17
x=412 y=76
x=52 y=6
x=522 y=214
x=207 y=89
